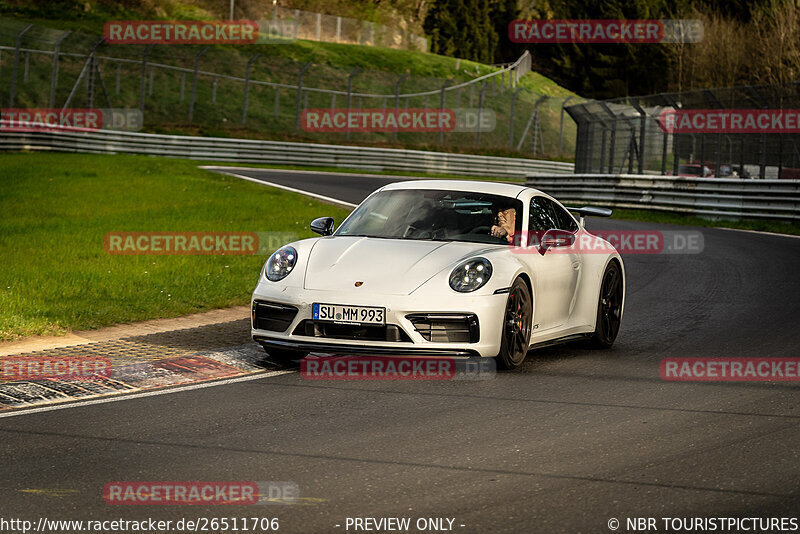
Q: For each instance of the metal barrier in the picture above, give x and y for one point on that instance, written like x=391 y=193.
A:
x=705 y=197
x=278 y=153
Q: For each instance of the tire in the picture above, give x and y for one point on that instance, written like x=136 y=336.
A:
x=609 y=308
x=284 y=356
x=516 y=333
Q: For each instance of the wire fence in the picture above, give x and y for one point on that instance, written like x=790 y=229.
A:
x=693 y=133
x=319 y=27
x=258 y=91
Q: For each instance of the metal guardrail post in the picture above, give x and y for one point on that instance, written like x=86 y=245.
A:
x=300 y=95
x=480 y=107
x=441 y=108
x=664 y=141
x=86 y=67
x=613 y=140
x=603 y=136
x=537 y=128
x=397 y=100
x=54 y=72
x=143 y=81
x=14 y=71
x=534 y=115
x=349 y=96
x=102 y=81
x=511 y=118
x=561 y=126
x=719 y=105
x=246 y=86
x=194 y=83
x=762 y=170
x=642 y=131
x=90 y=79
x=631 y=148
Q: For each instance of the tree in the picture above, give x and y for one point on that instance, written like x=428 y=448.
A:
x=502 y=13
x=461 y=29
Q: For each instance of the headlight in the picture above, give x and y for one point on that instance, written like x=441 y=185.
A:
x=280 y=264
x=471 y=275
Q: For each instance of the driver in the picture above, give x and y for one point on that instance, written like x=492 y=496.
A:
x=504 y=224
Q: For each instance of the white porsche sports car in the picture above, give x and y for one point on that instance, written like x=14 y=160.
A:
x=442 y=267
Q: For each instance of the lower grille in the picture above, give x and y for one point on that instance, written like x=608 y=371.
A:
x=446 y=328
x=272 y=316
x=389 y=332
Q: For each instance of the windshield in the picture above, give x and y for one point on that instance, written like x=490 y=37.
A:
x=436 y=215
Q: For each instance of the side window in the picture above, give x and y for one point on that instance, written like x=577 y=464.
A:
x=565 y=220
x=542 y=216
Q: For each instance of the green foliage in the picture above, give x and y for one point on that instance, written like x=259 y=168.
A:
x=462 y=28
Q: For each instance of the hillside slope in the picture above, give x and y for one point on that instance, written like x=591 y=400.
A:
x=272 y=109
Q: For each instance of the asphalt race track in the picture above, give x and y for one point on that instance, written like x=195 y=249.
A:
x=575 y=438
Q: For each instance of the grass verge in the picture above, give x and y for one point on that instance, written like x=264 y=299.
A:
x=57 y=209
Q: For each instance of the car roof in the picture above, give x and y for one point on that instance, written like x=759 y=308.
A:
x=477 y=186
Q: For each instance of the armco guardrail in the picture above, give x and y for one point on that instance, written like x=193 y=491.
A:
x=707 y=197
x=277 y=153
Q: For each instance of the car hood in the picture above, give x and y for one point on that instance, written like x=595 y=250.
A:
x=387 y=266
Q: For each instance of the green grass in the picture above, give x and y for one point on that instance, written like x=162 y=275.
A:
x=57 y=209
x=661 y=217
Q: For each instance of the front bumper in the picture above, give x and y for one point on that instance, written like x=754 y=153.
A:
x=488 y=308
x=349 y=348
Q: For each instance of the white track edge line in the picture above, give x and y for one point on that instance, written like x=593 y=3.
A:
x=136 y=395
x=757 y=232
x=293 y=190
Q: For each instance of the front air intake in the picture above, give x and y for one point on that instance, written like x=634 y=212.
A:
x=446 y=327
x=272 y=316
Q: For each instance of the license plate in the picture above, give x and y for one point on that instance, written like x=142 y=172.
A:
x=338 y=313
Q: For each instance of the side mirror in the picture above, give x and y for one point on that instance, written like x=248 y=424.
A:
x=556 y=239
x=590 y=210
x=322 y=226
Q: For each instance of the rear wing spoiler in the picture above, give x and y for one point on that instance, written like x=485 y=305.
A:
x=591 y=210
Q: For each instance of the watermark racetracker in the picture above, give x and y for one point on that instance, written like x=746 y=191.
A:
x=195 y=243
x=587 y=31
